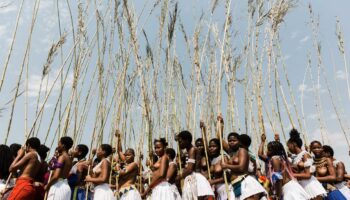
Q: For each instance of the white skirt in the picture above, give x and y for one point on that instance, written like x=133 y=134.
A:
x=313 y=187
x=250 y=186
x=103 y=192
x=293 y=191
x=162 y=191
x=196 y=185
x=131 y=195
x=222 y=193
x=59 y=191
x=343 y=189
x=175 y=192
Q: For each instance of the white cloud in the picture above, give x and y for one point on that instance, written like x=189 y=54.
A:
x=3 y=30
x=312 y=116
x=302 y=87
x=34 y=84
x=294 y=34
x=304 y=39
x=340 y=75
x=5 y=8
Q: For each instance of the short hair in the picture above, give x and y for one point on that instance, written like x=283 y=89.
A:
x=199 y=140
x=5 y=161
x=43 y=151
x=33 y=143
x=328 y=149
x=83 y=149
x=67 y=142
x=233 y=134
x=14 y=149
x=216 y=141
x=132 y=151
x=171 y=153
x=161 y=140
x=107 y=149
x=185 y=135
x=245 y=140
x=315 y=142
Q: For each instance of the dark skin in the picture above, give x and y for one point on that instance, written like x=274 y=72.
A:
x=239 y=166
x=127 y=176
x=27 y=161
x=232 y=143
x=161 y=167
x=103 y=176
x=190 y=167
x=300 y=172
x=217 y=171
x=60 y=172
x=339 y=170
x=317 y=150
x=171 y=173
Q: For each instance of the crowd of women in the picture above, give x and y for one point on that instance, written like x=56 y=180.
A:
x=216 y=169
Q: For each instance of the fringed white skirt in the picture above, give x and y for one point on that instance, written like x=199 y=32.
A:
x=313 y=187
x=131 y=195
x=293 y=191
x=162 y=191
x=222 y=193
x=103 y=192
x=59 y=191
x=249 y=187
x=343 y=189
x=203 y=186
x=196 y=185
x=175 y=192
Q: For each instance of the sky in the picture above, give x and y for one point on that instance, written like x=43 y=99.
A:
x=296 y=37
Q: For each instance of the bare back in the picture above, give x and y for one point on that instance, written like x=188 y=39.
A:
x=31 y=165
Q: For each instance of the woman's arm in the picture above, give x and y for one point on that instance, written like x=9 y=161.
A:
x=130 y=168
x=56 y=173
x=331 y=173
x=261 y=152
x=103 y=177
x=340 y=172
x=243 y=161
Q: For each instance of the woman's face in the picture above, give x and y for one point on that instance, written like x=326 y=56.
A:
x=213 y=149
x=159 y=149
x=60 y=147
x=200 y=146
x=129 y=156
x=291 y=147
x=317 y=149
x=233 y=142
x=182 y=143
x=100 y=153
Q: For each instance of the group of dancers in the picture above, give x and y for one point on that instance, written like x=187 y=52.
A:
x=206 y=170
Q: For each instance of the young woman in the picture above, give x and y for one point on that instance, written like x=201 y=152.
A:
x=128 y=176
x=40 y=180
x=159 y=186
x=58 y=185
x=325 y=172
x=232 y=145
x=217 y=172
x=78 y=173
x=195 y=184
x=244 y=185
x=284 y=186
x=100 y=174
x=301 y=166
x=201 y=161
x=341 y=184
x=172 y=172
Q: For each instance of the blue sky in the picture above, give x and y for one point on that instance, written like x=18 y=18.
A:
x=296 y=43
